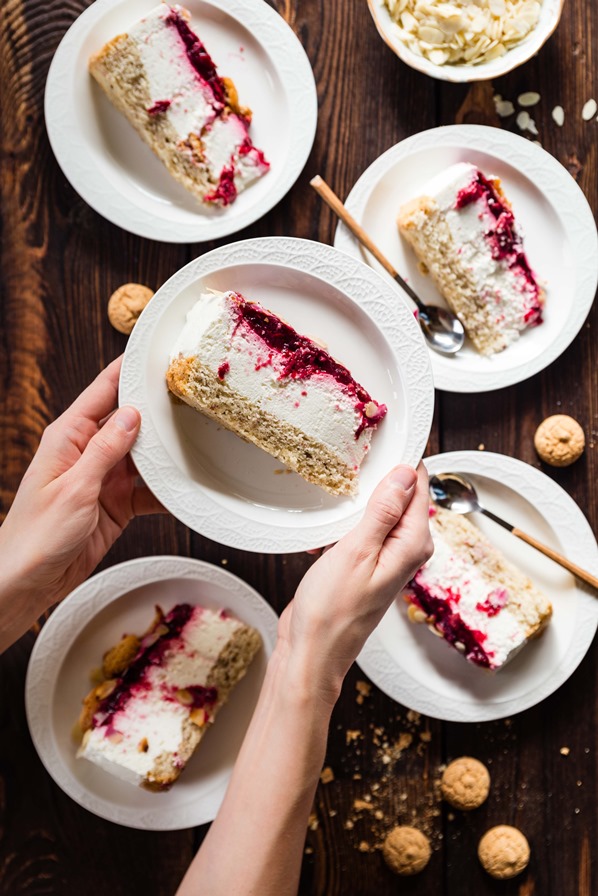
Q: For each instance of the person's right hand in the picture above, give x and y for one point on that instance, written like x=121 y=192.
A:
x=80 y=491
x=346 y=592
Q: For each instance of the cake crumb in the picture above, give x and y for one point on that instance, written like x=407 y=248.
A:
x=308 y=851
x=312 y=822
x=426 y=736
x=363 y=688
x=224 y=561
x=364 y=846
x=352 y=735
x=413 y=716
x=362 y=805
x=564 y=751
x=326 y=775
x=481 y=447
x=348 y=825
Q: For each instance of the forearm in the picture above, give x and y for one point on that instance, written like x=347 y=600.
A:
x=255 y=844
x=20 y=606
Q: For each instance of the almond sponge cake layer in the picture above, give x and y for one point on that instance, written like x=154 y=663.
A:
x=463 y=231
x=472 y=596
x=160 y=76
x=244 y=367
x=161 y=693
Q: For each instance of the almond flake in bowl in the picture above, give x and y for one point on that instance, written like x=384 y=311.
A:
x=465 y=40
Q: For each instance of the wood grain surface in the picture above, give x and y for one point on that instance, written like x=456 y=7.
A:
x=61 y=261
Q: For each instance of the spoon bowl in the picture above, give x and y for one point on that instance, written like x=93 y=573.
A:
x=443 y=330
x=454 y=492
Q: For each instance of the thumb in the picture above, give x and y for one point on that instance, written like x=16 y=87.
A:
x=386 y=506
x=113 y=442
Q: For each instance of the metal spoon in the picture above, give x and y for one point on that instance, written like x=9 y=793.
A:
x=455 y=492
x=442 y=329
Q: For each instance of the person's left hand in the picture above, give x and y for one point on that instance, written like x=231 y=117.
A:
x=77 y=496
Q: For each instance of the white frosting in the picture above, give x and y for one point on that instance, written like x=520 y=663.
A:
x=447 y=576
x=317 y=406
x=505 y=290
x=170 y=74
x=193 y=108
x=147 y=717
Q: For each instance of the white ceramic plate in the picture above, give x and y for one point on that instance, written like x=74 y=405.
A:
x=95 y=616
x=424 y=673
x=109 y=165
x=388 y=31
x=227 y=489
x=551 y=211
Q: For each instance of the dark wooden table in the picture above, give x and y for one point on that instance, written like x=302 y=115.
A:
x=61 y=261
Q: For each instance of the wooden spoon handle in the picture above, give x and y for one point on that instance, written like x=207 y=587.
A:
x=331 y=199
x=558 y=558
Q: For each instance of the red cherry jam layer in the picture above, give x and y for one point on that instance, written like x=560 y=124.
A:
x=304 y=359
x=226 y=190
x=504 y=241
x=161 y=638
x=450 y=624
x=198 y=56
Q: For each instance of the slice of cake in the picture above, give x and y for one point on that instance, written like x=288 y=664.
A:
x=161 y=77
x=160 y=693
x=471 y=596
x=246 y=368
x=463 y=232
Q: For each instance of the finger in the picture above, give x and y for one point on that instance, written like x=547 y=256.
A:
x=385 y=508
x=113 y=442
x=145 y=502
x=101 y=396
x=409 y=544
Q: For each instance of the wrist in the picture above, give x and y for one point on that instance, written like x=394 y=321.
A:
x=21 y=601
x=305 y=675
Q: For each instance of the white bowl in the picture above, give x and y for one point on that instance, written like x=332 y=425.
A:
x=387 y=28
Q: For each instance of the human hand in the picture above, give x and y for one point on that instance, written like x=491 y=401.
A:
x=346 y=592
x=78 y=494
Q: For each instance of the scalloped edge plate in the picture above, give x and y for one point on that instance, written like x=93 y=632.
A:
x=71 y=643
x=550 y=209
x=229 y=490
x=424 y=673
x=113 y=170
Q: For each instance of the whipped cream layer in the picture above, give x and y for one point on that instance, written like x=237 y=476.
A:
x=470 y=611
x=144 y=716
x=482 y=227
x=186 y=88
x=287 y=375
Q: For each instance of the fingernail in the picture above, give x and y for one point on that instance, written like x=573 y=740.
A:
x=127 y=418
x=405 y=477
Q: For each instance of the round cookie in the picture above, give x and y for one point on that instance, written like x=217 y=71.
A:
x=406 y=850
x=465 y=783
x=504 y=852
x=559 y=440
x=126 y=304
